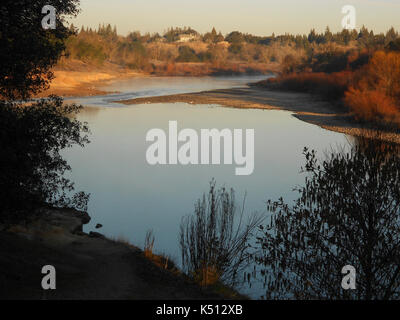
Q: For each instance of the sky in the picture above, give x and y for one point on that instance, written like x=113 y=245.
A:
x=259 y=17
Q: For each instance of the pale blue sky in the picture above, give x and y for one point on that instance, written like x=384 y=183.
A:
x=260 y=17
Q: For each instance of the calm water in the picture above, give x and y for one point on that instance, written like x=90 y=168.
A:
x=129 y=197
x=159 y=86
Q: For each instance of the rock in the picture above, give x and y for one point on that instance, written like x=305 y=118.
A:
x=99 y=225
x=84 y=216
x=69 y=219
x=93 y=234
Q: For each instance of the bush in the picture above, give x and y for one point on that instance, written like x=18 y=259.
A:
x=331 y=86
x=373 y=106
x=86 y=51
x=235 y=48
x=330 y=61
x=348 y=213
x=187 y=54
x=375 y=93
x=214 y=243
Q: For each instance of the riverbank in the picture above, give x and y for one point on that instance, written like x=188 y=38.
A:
x=88 y=266
x=306 y=107
x=74 y=78
x=78 y=79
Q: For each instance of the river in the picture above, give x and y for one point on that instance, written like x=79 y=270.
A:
x=129 y=196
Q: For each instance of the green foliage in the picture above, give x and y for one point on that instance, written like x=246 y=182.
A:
x=213 y=37
x=89 y=52
x=107 y=31
x=330 y=61
x=207 y=56
x=394 y=45
x=235 y=37
x=325 y=52
x=173 y=34
x=187 y=54
x=132 y=54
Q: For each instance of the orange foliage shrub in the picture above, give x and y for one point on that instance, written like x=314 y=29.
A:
x=375 y=93
x=372 y=105
x=384 y=72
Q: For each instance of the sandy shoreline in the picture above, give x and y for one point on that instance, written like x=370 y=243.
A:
x=85 y=83
x=305 y=107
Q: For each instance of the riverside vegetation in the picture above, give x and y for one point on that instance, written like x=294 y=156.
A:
x=34 y=133
x=348 y=210
x=184 y=51
x=363 y=77
x=37 y=199
x=347 y=213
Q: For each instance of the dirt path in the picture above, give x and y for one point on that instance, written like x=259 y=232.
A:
x=86 y=267
x=306 y=107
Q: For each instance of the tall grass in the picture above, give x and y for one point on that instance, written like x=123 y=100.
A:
x=214 y=240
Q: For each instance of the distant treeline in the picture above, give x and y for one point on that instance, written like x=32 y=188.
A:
x=236 y=51
x=363 y=76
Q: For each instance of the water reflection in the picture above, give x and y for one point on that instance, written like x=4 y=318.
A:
x=340 y=239
x=140 y=87
x=128 y=196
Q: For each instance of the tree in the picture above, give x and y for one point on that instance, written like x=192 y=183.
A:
x=235 y=48
x=289 y=64
x=34 y=134
x=347 y=214
x=213 y=37
x=213 y=33
x=27 y=51
x=235 y=37
x=31 y=140
x=394 y=45
x=328 y=35
x=375 y=92
x=220 y=37
x=391 y=35
x=186 y=54
x=312 y=36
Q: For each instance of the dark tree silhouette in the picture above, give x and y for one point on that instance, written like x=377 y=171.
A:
x=27 y=51
x=33 y=134
x=347 y=214
x=32 y=168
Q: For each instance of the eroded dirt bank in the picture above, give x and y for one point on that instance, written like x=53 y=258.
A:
x=87 y=266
